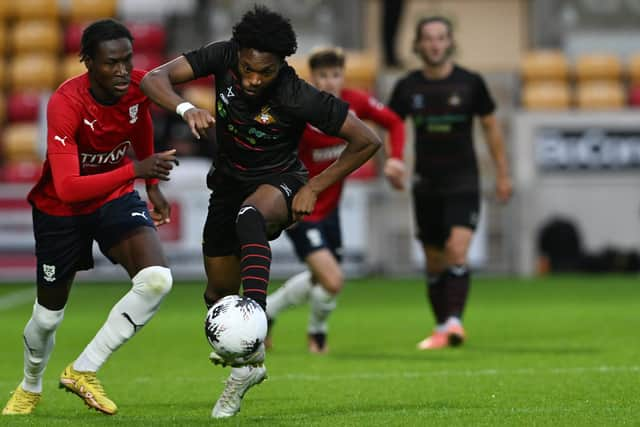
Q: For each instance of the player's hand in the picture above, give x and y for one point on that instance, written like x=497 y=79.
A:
x=199 y=121
x=161 y=212
x=504 y=188
x=395 y=172
x=157 y=165
x=304 y=202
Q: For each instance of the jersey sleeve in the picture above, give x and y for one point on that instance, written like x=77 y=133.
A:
x=369 y=108
x=322 y=110
x=213 y=58
x=62 y=153
x=483 y=103
x=398 y=102
x=143 y=139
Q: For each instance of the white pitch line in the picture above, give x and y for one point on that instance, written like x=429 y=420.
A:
x=17 y=298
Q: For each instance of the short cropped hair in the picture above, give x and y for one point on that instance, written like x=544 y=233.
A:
x=265 y=31
x=101 y=31
x=326 y=57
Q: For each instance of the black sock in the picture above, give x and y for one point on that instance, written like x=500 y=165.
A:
x=255 y=254
x=436 y=293
x=457 y=289
x=208 y=301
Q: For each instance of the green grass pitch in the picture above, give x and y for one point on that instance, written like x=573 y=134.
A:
x=555 y=351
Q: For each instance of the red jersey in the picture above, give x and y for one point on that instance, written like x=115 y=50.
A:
x=318 y=150
x=87 y=144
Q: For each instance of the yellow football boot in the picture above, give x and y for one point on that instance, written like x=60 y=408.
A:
x=22 y=402
x=88 y=388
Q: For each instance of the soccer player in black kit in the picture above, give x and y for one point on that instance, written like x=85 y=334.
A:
x=259 y=186
x=442 y=99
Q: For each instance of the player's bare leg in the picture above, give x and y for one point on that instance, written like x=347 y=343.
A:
x=141 y=255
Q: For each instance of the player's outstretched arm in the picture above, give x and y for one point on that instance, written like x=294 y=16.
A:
x=495 y=141
x=158 y=86
x=362 y=144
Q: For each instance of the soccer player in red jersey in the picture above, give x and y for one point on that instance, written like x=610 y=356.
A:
x=86 y=193
x=443 y=98
x=259 y=185
x=317 y=239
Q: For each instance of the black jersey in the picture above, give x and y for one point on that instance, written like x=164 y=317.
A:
x=442 y=112
x=259 y=138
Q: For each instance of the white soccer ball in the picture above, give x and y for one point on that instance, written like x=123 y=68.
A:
x=235 y=326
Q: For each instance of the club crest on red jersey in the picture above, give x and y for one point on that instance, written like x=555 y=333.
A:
x=265 y=117
x=133 y=114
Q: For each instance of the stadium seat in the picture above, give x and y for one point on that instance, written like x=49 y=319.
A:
x=147 y=61
x=361 y=70
x=200 y=96
x=3 y=73
x=73 y=36
x=634 y=96
x=32 y=71
x=3 y=109
x=6 y=10
x=3 y=38
x=546 y=95
x=148 y=37
x=598 y=66
x=300 y=63
x=21 y=171
x=89 y=10
x=634 y=69
x=71 y=67
x=547 y=65
x=35 y=9
x=35 y=36
x=20 y=142
x=600 y=95
x=23 y=106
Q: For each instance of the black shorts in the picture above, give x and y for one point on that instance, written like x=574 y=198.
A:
x=219 y=236
x=436 y=214
x=64 y=243
x=310 y=236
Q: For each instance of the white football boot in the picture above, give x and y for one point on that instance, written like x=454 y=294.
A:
x=254 y=359
x=239 y=382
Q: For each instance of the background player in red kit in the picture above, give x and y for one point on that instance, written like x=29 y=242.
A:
x=86 y=193
x=259 y=186
x=443 y=98
x=317 y=238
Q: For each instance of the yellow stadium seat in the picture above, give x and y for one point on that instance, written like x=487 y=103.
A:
x=33 y=71
x=300 y=63
x=3 y=108
x=3 y=38
x=598 y=66
x=600 y=95
x=3 y=74
x=20 y=142
x=88 y=10
x=201 y=96
x=634 y=68
x=36 y=36
x=6 y=9
x=35 y=9
x=361 y=70
x=553 y=95
x=548 y=65
x=71 y=67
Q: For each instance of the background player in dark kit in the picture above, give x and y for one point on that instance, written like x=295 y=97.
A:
x=86 y=193
x=258 y=183
x=442 y=99
x=318 y=238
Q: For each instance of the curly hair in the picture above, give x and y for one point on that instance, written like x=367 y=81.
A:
x=101 y=31
x=265 y=31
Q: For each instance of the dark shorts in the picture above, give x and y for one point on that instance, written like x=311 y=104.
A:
x=64 y=243
x=219 y=236
x=310 y=236
x=436 y=214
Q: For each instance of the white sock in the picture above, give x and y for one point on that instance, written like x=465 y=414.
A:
x=322 y=304
x=38 y=339
x=295 y=291
x=453 y=321
x=441 y=327
x=133 y=311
